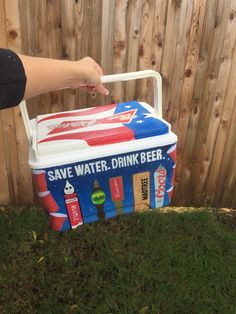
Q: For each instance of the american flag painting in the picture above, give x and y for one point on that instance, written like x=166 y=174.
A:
x=102 y=125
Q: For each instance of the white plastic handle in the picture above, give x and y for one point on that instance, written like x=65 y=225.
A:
x=26 y=120
x=109 y=79
x=157 y=85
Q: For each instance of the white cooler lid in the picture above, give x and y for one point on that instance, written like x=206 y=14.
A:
x=97 y=126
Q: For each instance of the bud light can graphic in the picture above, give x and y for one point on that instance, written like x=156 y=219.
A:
x=72 y=206
x=160 y=183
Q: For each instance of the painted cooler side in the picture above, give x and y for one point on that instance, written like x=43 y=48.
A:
x=91 y=190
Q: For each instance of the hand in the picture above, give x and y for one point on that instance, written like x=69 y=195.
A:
x=88 y=75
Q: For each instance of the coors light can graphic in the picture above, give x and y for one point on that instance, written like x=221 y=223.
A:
x=72 y=206
x=160 y=184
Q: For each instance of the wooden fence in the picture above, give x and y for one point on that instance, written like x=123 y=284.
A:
x=190 y=42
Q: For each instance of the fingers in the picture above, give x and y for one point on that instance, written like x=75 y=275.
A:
x=90 y=77
x=100 y=88
x=99 y=69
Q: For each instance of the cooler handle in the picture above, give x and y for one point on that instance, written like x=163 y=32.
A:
x=109 y=79
x=157 y=84
x=26 y=120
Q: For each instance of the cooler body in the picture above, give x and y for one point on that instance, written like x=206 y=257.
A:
x=101 y=162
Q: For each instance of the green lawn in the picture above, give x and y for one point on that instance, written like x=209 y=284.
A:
x=142 y=263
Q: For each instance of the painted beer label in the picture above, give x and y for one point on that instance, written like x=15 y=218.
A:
x=141 y=188
x=160 y=185
x=122 y=183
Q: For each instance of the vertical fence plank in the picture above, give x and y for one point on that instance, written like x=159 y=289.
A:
x=107 y=37
x=3 y=33
x=81 y=21
x=216 y=151
x=143 y=87
x=226 y=186
x=15 y=136
x=4 y=186
x=188 y=81
x=108 y=15
x=95 y=44
x=55 y=45
x=133 y=34
x=202 y=151
x=24 y=180
x=158 y=36
x=68 y=42
x=189 y=156
x=225 y=141
x=183 y=11
x=120 y=47
x=169 y=50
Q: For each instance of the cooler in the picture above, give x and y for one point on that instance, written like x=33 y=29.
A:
x=96 y=163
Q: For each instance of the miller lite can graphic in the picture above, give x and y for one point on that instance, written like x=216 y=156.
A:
x=160 y=184
x=72 y=206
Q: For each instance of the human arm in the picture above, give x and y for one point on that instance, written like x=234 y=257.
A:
x=23 y=77
x=45 y=75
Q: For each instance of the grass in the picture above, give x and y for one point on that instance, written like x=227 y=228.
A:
x=142 y=263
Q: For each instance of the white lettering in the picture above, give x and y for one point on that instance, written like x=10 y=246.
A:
x=143 y=158
x=91 y=167
x=59 y=174
x=125 y=161
x=151 y=156
x=50 y=176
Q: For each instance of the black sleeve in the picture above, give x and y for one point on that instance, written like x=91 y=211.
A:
x=12 y=79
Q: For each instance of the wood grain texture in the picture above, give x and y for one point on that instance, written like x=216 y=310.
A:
x=4 y=186
x=120 y=47
x=191 y=43
x=133 y=34
x=203 y=149
x=143 y=87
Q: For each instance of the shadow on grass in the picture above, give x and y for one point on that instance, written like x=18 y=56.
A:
x=143 y=263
